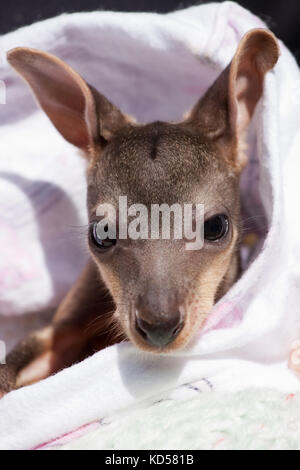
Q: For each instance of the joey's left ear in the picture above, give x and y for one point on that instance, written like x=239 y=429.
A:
x=225 y=110
x=83 y=116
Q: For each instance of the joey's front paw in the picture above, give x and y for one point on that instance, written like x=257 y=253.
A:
x=7 y=379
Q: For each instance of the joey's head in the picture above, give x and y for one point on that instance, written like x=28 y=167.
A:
x=162 y=289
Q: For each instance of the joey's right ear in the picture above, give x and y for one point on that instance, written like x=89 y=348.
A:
x=83 y=116
x=224 y=112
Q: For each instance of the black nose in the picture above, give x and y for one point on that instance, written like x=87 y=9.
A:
x=161 y=332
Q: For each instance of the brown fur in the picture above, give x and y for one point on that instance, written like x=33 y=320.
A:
x=195 y=161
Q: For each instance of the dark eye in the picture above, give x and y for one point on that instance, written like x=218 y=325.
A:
x=103 y=243
x=216 y=227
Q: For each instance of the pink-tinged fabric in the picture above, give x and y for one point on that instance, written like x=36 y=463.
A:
x=16 y=264
x=294 y=358
x=70 y=436
x=226 y=314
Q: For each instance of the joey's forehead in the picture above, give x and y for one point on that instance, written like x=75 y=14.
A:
x=158 y=163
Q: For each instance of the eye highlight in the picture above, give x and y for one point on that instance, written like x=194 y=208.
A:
x=216 y=227
x=103 y=242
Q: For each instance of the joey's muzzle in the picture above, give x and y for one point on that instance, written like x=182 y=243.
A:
x=160 y=333
x=158 y=323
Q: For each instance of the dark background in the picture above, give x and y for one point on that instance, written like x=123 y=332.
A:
x=282 y=16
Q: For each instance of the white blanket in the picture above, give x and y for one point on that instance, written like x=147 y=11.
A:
x=153 y=67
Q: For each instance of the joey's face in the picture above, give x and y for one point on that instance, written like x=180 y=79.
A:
x=164 y=291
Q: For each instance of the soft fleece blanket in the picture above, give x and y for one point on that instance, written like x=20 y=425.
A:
x=191 y=417
x=153 y=67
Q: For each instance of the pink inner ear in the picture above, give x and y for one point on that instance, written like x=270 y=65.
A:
x=257 y=53
x=248 y=89
x=64 y=101
x=242 y=97
x=69 y=123
x=61 y=92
